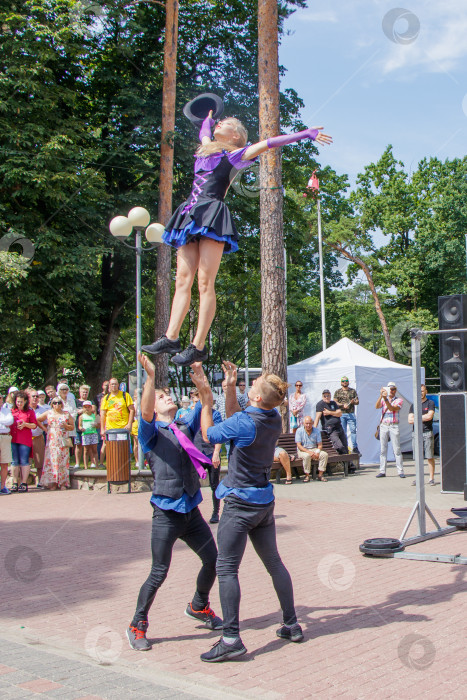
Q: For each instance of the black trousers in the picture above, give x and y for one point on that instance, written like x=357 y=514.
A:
x=240 y=520
x=339 y=439
x=214 y=475
x=167 y=527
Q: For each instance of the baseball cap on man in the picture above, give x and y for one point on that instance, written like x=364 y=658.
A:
x=62 y=386
x=326 y=391
x=390 y=384
x=41 y=393
x=12 y=389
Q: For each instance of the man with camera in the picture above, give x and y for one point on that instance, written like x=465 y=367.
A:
x=390 y=406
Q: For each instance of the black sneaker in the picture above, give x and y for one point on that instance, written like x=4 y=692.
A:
x=206 y=615
x=380 y=475
x=163 y=344
x=294 y=633
x=189 y=355
x=223 y=652
x=214 y=518
x=137 y=636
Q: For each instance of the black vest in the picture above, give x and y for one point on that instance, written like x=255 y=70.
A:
x=217 y=181
x=171 y=467
x=205 y=447
x=251 y=466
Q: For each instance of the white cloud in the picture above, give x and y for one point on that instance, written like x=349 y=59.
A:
x=320 y=16
x=441 y=45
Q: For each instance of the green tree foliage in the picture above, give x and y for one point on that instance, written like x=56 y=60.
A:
x=11 y=269
x=80 y=111
x=421 y=222
x=80 y=106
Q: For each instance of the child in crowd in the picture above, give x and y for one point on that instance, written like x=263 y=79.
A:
x=88 y=422
x=184 y=409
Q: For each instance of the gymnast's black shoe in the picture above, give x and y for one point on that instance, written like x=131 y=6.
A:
x=206 y=615
x=137 y=636
x=294 y=633
x=223 y=652
x=163 y=344
x=190 y=355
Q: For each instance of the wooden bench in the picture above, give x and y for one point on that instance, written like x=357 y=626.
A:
x=287 y=442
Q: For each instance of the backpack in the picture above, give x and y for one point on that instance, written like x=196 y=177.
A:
x=125 y=394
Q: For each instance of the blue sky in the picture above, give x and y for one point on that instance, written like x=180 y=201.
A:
x=369 y=85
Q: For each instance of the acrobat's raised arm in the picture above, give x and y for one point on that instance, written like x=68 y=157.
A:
x=276 y=141
x=205 y=133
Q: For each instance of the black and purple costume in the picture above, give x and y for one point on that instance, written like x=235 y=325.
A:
x=204 y=212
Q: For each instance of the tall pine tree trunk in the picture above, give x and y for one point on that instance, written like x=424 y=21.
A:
x=166 y=183
x=273 y=293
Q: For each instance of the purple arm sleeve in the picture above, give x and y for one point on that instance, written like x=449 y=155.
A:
x=235 y=159
x=278 y=141
x=206 y=128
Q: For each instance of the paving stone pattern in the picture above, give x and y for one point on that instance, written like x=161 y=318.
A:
x=27 y=672
x=73 y=563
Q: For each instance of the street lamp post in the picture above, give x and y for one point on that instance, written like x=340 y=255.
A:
x=313 y=184
x=321 y=274
x=121 y=227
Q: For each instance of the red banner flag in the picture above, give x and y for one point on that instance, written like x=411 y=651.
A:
x=313 y=182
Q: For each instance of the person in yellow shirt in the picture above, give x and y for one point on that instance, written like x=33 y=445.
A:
x=117 y=411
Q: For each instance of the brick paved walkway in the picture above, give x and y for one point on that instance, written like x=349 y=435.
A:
x=73 y=563
x=31 y=672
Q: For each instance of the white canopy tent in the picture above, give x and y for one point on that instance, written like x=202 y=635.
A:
x=367 y=373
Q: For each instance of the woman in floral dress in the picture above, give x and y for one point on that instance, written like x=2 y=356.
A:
x=55 y=473
x=297 y=403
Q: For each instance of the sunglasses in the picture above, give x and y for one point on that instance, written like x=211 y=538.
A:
x=298 y=384
x=345 y=381
x=56 y=403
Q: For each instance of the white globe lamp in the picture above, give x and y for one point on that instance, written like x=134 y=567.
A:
x=139 y=216
x=154 y=233
x=120 y=227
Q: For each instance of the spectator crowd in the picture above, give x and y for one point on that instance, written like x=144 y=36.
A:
x=45 y=429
